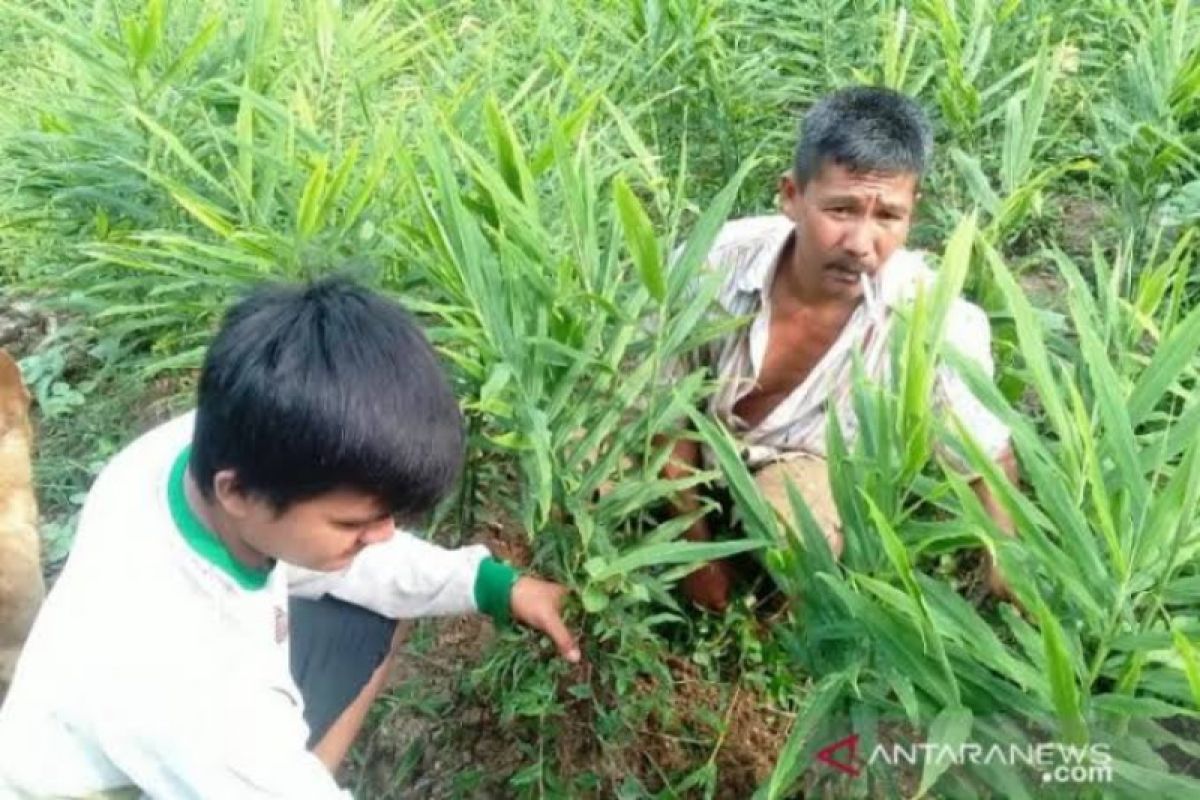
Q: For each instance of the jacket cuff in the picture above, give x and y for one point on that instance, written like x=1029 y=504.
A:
x=493 y=589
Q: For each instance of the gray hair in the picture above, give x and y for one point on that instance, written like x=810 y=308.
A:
x=865 y=129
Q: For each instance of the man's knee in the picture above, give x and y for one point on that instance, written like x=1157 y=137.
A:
x=337 y=650
x=809 y=475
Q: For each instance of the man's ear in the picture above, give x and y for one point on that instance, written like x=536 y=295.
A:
x=229 y=494
x=790 y=193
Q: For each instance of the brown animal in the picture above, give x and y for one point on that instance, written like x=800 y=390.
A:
x=21 y=584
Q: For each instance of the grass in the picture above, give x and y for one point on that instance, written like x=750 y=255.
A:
x=519 y=174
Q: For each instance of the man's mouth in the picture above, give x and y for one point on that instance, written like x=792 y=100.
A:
x=844 y=273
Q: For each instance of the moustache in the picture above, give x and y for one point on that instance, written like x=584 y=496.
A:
x=848 y=266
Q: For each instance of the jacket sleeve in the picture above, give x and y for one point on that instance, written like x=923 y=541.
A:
x=407 y=577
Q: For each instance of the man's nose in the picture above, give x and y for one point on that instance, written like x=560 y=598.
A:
x=379 y=532
x=857 y=242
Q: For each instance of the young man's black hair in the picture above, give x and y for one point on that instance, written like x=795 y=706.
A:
x=865 y=129
x=321 y=387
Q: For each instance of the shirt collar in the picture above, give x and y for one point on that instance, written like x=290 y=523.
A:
x=202 y=540
x=756 y=278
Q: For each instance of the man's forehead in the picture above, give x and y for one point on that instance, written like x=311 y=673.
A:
x=890 y=186
x=350 y=502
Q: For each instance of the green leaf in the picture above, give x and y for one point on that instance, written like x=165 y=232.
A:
x=950 y=728
x=674 y=553
x=1064 y=690
x=691 y=257
x=337 y=185
x=1033 y=348
x=955 y=262
x=792 y=762
x=1170 y=359
x=760 y=518
x=1135 y=780
x=511 y=161
x=977 y=183
x=180 y=151
x=1117 y=432
x=594 y=600
x=151 y=34
x=1137 y=707
x=204 y=212
x=195 y=48
x=1191 y=665
x=308 y=216
x=640 y=239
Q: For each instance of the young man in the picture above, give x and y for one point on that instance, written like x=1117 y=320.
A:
x=227 y=611
x=822 y=281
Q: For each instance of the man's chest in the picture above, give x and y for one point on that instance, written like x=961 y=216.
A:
x=794 y=346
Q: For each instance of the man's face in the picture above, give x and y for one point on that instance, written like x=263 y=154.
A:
x=847 y=224
x=323 y=533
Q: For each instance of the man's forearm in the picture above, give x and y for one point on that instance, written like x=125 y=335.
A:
x=684 y=462
x=991 y=504
x=710 y=585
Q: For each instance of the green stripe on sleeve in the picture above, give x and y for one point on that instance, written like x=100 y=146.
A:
x=493 y=589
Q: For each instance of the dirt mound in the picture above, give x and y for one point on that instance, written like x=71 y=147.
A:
x=427 y=737
x=22 y=326
x=738 y=732
x=432 y=738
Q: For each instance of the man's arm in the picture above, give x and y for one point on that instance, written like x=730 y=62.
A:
x=1008 y=464
x=709 y=585
x=1007 y=461
x=969 y=332
x=685 y=462
x=407 y=577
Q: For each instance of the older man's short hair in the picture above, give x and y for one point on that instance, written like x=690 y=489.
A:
x=864 y=129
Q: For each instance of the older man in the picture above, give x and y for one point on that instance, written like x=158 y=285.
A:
x=821 y=282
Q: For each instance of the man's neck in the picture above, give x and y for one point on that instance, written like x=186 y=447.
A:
x=222 y=526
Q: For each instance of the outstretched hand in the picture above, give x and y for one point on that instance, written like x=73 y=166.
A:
x=538 y=604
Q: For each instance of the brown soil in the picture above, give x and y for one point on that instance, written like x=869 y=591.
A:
x=744 y=745
x=432 y=738
x=428 y=738
x=22 y=326
x=165 y=398
x=1085 y=220
x=1045 y=288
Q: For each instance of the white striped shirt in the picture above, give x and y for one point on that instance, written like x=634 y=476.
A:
x=747 y=251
